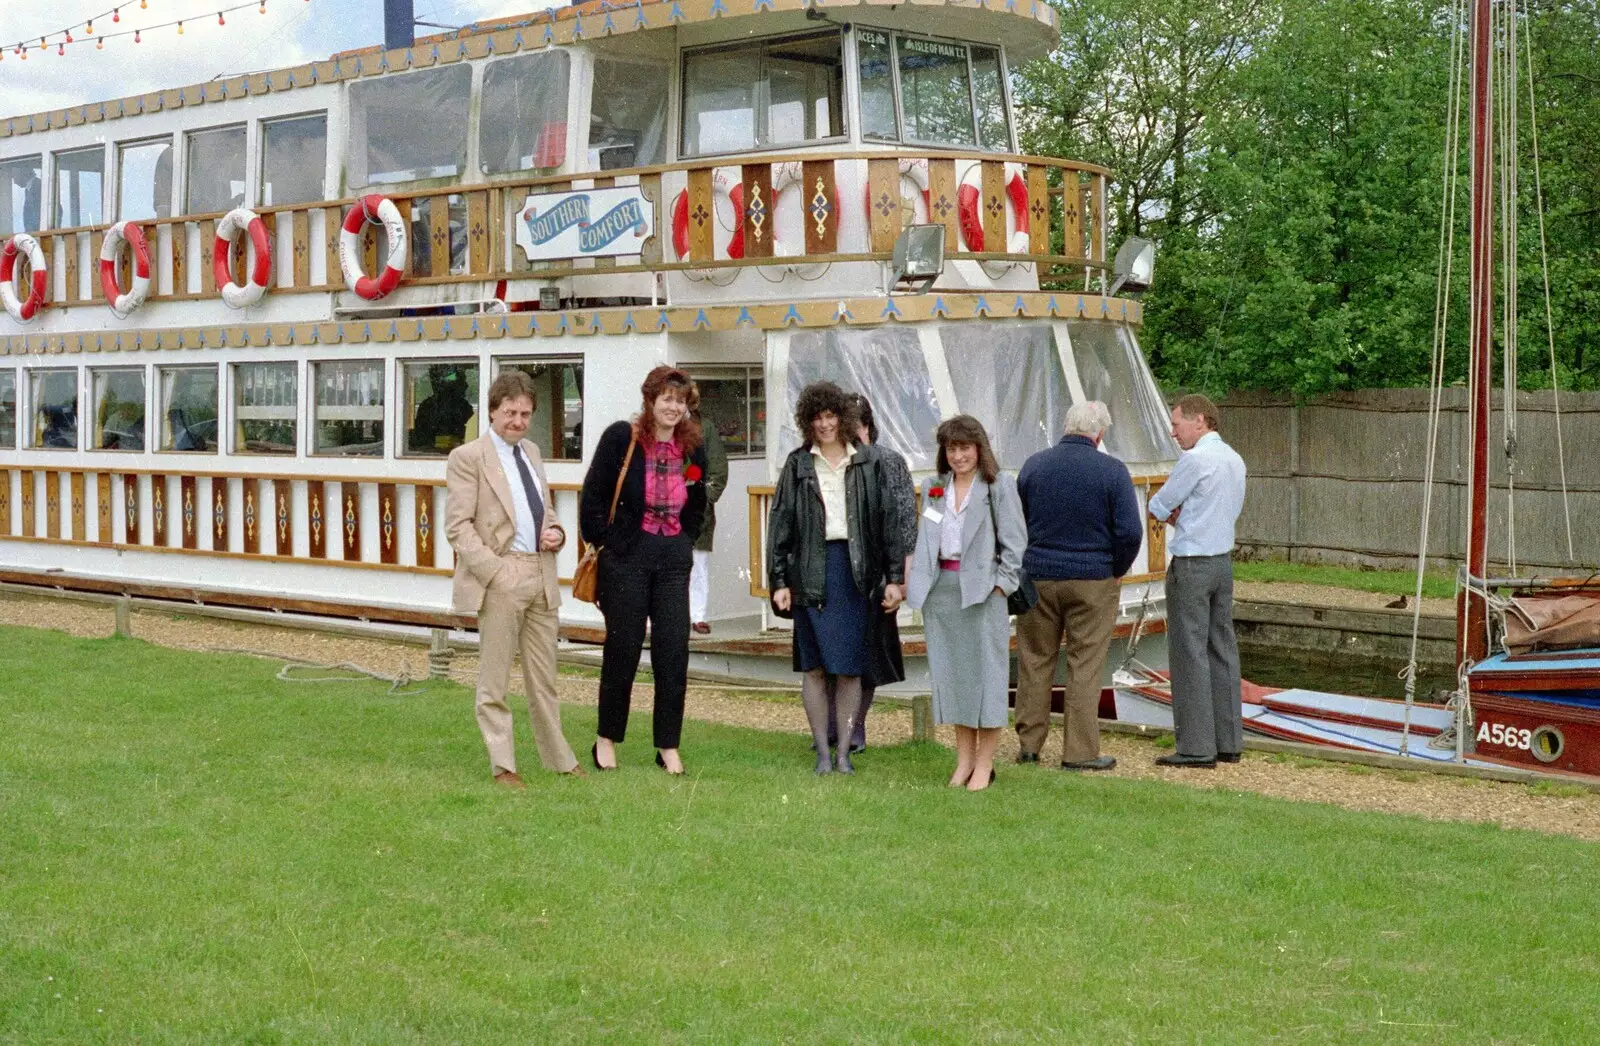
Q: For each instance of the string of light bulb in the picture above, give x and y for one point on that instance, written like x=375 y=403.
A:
x=61 y=39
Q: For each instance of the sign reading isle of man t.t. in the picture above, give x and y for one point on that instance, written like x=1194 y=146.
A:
x=589 y=223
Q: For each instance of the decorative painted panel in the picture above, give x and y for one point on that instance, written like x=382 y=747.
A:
x=388 y=524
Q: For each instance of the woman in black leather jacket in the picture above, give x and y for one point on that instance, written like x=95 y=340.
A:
x=834 y=559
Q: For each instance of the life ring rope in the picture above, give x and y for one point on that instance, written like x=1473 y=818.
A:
x=21 y=245
x=123 y=303
x=237 y=297
x=373 y=208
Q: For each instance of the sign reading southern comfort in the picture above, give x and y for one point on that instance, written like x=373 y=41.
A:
x=588 y=224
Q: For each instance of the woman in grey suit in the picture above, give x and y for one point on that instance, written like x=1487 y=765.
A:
x=968 y=557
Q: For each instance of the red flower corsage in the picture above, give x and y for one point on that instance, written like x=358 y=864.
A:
x=935 y=492
x=692 y=473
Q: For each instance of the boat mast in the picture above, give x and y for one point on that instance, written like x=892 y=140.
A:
x=1472 y=642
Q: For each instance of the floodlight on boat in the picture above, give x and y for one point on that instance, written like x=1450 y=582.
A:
x=1134 y=266
x=918 y=257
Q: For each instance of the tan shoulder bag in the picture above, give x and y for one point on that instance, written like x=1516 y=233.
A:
x=585 y=579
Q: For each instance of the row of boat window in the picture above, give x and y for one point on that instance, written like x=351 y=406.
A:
x=415 y=127
x=439 y=403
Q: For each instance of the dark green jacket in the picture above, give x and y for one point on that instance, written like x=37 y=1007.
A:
x=796 y=547
x=716 y=481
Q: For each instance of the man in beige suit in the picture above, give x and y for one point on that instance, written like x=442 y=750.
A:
x=500 y=519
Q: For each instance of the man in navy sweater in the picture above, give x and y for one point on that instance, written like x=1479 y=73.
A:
x=1084 y=531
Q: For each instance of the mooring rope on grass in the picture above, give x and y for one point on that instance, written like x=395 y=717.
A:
x=287 y=673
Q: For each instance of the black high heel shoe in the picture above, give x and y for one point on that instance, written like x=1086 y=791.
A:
x=662 y=763
x=594 y=753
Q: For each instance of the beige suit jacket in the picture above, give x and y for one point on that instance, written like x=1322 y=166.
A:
x=480 y=521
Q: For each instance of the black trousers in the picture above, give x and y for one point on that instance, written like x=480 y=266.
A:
x=650 y=582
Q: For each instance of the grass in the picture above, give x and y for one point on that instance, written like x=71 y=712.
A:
x=1435 y=584
x=191 y=851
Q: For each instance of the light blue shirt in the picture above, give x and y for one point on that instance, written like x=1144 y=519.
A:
x=1208 y=484
x=527 y=539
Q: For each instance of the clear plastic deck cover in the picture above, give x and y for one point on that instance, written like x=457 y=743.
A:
x=627 y=114
x=409 y=128
x=886 y=365
x=1113 y=370
x=21 y=193
x=522 y=123
x=1009 y=377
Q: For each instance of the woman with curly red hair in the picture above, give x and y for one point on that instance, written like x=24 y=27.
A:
x=654 y=467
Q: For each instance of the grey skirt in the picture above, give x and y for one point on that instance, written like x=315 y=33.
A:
x=969 y=655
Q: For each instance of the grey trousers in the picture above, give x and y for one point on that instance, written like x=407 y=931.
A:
x=1204 y=656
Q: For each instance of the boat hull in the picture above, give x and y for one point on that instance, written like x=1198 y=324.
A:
x=1537 y=734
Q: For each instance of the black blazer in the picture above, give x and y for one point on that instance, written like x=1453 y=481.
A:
x=601 y=481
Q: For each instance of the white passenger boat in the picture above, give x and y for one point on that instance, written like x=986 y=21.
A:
x=252 y=316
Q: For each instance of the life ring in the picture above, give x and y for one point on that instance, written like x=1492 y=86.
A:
x=19 y=245
x=373 y=208
x=915 y=172
x=123 y=304
x=236 y=296
x=734 y=191
x=967 y=197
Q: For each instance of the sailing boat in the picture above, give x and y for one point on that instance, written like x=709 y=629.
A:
x=1528 y=649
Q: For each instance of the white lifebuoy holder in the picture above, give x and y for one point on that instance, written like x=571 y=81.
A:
x=123 y=303
x=19 y=246
x=241 y=218
x=967 y=199
x=373 y=208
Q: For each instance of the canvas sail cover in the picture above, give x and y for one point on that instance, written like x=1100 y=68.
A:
x=1552 y=621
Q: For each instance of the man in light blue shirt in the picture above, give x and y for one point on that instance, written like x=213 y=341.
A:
x=1202 y=499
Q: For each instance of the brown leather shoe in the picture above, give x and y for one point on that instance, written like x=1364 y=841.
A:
x=701 y=628
x=576 y=771
x=510 y=779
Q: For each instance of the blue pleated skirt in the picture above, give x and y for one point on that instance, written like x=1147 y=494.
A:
x=833 y=637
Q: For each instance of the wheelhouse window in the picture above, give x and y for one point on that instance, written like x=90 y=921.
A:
x=942 y=92
x=294 y=154
x=1009 y=377
x=8 y=410
x=21 y=194
x=409 y=128
x=144 y=180
x=213 y=166
x=348 y=418
x=53 y=396
x=188 y=408
x=441 y=405
x=768 y=93
x=265 y=407
x=557 y=424
x=734 y=402
x=118 y=408
x=523 y=114
x=627 y=114
x=80 y=187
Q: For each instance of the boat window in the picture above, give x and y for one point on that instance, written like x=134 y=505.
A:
x=627 y=114
x=523 y=115
x=213 y=170
x=294 y=155
x=557 y=425
x=1009 y=377
x=772 y=92
x=1113 y=371
x=8 y=409
x=118 y=408
x=734 y=400
x=875 y=59
x=989 y=96
x=188 y=408
x=21 y=194
x=348 y=419
x=949 y=93
x=935 y=91
x=441 y=405
x=80 y=187
x=53 y=395
x=886 y=365
x=408 y=128
x=265 y=407
x=144 y=180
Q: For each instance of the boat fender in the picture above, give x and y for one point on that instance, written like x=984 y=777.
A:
x=720 y=183
x=972 y=222
x=241 y=218
x=373 y=208
x=124 y=303
x=22 y=245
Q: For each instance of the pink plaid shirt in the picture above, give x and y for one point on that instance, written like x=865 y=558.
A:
x=665 y=490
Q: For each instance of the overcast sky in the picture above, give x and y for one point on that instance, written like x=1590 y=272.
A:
x=290 y=33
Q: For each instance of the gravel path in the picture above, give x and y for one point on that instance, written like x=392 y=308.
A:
x=1414 y=793
x=1330 y=596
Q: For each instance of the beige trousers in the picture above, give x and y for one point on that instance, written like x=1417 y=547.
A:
x=1086 y=611
x=516 y=618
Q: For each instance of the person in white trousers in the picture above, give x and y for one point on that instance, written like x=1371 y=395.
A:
x=716 y=482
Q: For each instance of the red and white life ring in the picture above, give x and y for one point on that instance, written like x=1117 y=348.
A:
x=914 y=171
x=123 y=303
x=241 y=218
x=373 y=208
x=18 y=246
x=967 y=198
x=720 y=183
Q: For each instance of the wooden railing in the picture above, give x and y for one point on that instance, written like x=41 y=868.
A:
x=346 y=521
x=1155 y=545
x=465 y=233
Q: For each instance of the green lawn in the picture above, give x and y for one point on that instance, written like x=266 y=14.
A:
x=192 y=851
x=1435 y=584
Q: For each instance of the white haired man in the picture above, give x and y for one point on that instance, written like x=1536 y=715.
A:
x=1084 y=531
